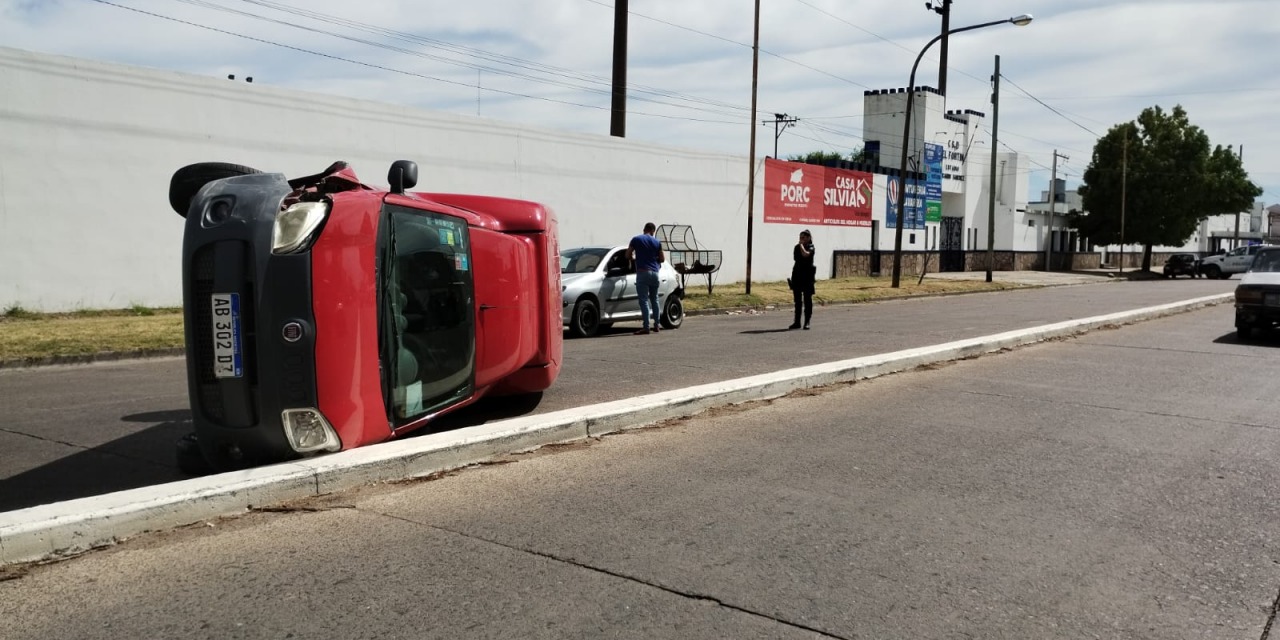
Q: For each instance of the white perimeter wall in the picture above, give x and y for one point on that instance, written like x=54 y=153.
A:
x=87 y=149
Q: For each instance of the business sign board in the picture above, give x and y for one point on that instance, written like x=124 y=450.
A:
x=933 y=155
x=798 y=193
x=913 y=215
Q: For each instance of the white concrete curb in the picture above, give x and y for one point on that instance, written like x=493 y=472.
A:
x=67 y=528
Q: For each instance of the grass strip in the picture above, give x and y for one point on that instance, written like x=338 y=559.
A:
x=27 y=335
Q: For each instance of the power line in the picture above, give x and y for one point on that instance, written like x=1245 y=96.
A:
x=398 y=71
x=1042 y=103
x=735 y=42
x=497 y=71
x=480 y=53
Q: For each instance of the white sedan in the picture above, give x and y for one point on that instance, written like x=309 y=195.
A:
x=599 y=289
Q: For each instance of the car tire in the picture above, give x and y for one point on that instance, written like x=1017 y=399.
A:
x=672 y=312
x=1244 y=333
x=586 y=319
x=190 y=458
x=1212 y=271
x=187 y=181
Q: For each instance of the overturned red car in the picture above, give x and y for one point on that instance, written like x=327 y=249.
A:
x=324 y=314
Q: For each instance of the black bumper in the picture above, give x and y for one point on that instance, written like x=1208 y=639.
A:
x=1256 y=315
x=238 y=419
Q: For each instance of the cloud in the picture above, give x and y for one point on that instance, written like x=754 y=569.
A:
x=1096 y=62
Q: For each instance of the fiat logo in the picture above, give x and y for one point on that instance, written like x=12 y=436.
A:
x=292 y=331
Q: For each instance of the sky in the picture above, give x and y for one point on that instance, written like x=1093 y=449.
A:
x=1080 y=68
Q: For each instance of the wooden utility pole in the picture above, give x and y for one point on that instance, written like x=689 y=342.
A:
x=751 y=158
x=780 y=123
x=1124 y=182
x=991 y=193
x=1053 y=200
x=944 y=9
x=618 y=121
x=1235 y=242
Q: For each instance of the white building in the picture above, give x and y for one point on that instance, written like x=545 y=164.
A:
x=966 y=169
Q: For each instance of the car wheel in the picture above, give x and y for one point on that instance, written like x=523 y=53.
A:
x=1244 y=332
x=673 y=312
x=1212 y=271
x=190 y=458
x=187 y=181
x=586 y=319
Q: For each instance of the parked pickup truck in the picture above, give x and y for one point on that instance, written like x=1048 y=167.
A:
x=324 y=314
x=1225 y=265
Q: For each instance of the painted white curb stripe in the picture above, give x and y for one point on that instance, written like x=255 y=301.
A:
x=65 y=528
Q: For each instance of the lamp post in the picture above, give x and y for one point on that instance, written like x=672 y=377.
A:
x=1021 y=20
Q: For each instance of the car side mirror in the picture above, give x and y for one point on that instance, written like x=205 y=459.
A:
x=614 y=272
x=403 y=175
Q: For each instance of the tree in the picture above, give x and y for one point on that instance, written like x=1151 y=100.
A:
x=824 y=157
x=1159 y=174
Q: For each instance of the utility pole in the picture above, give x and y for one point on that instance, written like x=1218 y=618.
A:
x=779 y=119
x=944 y=9
x=751 y=158
x=1124 y=182
x=1235 y=242
x=991 y=193
x=618 y=122
x=1053 y=200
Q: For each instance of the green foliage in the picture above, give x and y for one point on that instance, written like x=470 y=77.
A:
x=1158 y=177
x=15 y=311
x=823 y=157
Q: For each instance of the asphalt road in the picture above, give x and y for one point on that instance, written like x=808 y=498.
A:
x=76 y=431
x=1115 y=485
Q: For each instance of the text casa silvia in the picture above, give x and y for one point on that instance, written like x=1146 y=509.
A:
x=848 y=192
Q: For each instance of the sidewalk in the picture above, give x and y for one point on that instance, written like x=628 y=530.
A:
x=1034 y=278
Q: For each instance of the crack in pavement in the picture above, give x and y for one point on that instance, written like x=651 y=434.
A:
x=1271 y=619
x=615 y=574
x=1249 y=356
x=83 y=448
x=1068 y=403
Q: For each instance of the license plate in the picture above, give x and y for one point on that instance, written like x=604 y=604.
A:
x=1271 y=299
x=227 y=360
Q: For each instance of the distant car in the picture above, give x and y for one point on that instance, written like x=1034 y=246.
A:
x=600 y=289
x=1235 y=261
x=1182 y=264
x=1258 y=294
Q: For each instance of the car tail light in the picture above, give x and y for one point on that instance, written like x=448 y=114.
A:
x=1248 y=295
x=308 y=431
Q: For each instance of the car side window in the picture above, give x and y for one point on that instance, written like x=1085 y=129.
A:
x=619 y=261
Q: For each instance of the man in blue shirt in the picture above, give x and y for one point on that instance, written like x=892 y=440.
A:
x=645 y=252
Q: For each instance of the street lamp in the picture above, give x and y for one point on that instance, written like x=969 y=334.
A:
x=1020 y=21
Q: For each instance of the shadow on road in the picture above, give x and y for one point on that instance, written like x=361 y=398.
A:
x=1268 y=338
x=140 y=459
x=146 y=457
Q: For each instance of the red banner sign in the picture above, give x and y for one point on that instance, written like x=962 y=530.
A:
x=797 y=193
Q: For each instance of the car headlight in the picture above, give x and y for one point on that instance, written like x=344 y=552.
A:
x=308 y=431
x=296 y=225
